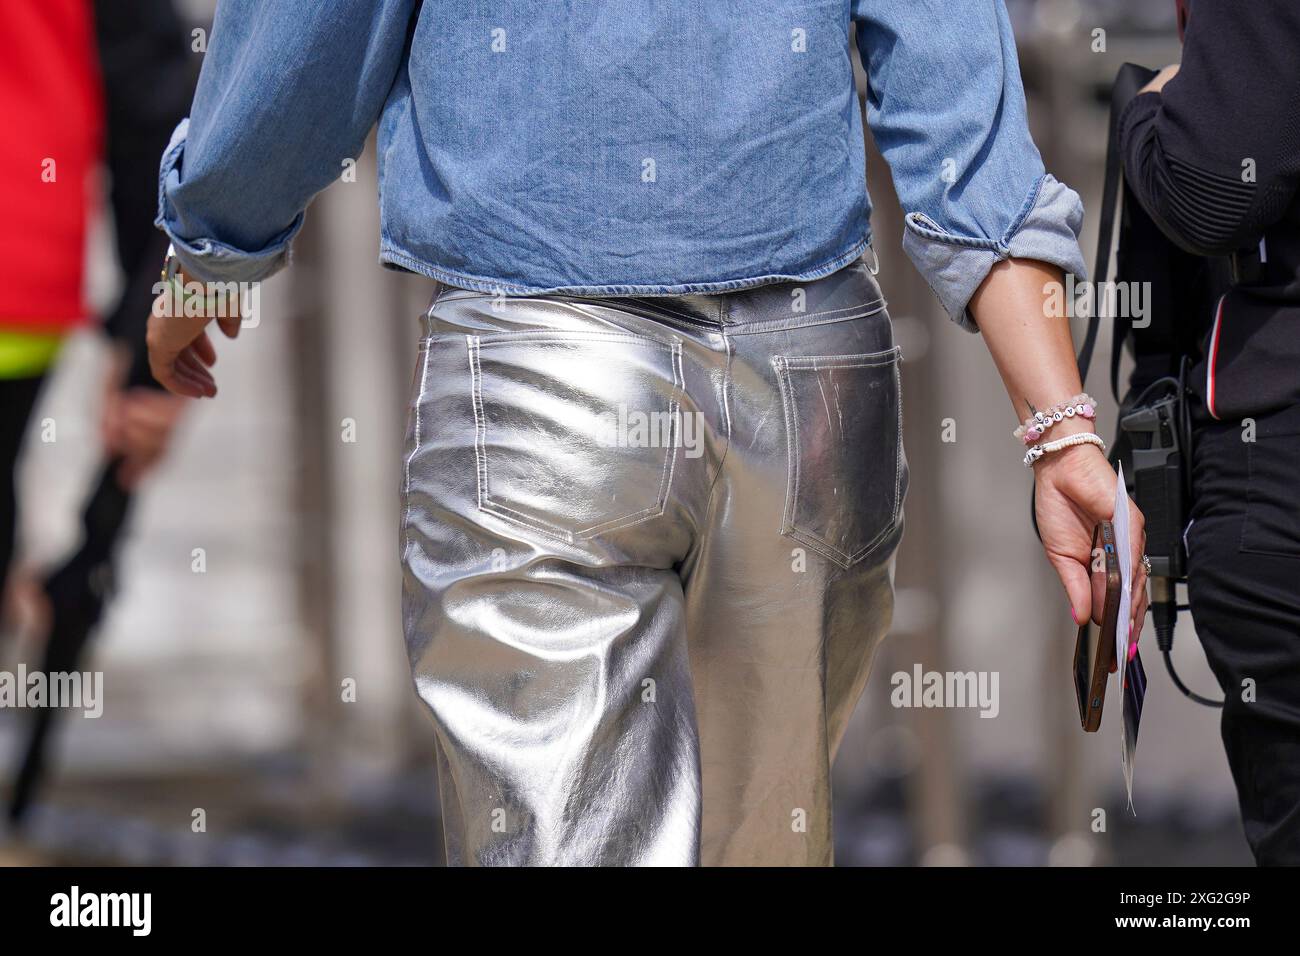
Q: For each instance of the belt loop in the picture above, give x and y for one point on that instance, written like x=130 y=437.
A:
x=426 y=317
x=874 y=267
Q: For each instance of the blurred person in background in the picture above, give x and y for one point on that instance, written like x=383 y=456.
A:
x=1211 y=150
x=86 y=89
x=641 y=647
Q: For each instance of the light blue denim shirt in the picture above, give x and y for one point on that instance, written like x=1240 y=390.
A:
x=616 y=147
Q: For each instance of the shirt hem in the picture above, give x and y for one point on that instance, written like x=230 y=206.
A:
x=390 y=255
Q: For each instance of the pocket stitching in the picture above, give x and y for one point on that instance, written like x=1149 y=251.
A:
x=485 y=502
x=579 y=335
x=415 y=449
x=827 y=317
x=783 y=364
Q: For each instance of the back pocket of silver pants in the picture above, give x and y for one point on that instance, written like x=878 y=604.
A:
x=843 y=424
x=576 y=432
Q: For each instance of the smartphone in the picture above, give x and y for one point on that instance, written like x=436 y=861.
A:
x=1094 y=649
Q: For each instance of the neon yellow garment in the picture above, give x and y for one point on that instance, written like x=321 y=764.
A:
x=26 y=354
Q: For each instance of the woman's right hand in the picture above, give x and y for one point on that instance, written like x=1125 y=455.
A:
x=1074 y=490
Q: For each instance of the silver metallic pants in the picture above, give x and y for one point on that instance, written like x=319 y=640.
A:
x=647 y=548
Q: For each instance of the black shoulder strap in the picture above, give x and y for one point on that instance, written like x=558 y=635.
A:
x=1128 y=81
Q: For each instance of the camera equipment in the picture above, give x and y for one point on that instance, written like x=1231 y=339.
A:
x=1156 y=433
x=1159 y=440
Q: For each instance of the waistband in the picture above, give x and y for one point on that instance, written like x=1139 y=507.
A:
x=851 y=292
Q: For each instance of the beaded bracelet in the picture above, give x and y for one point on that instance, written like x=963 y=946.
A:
x=1083 y=438
x=1036 y=424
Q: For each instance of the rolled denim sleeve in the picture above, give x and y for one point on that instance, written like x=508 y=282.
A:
x=288 y=92
x=947 y=110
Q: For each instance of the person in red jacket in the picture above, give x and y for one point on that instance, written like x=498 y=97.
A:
x=85 y=86
x=52 y=102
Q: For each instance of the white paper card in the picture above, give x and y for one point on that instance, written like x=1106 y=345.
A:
x=1122 y=545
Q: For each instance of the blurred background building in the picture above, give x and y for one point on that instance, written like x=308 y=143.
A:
x=255 y=675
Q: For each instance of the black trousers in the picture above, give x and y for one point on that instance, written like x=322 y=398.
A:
x=1244 y=585
x=17 y=399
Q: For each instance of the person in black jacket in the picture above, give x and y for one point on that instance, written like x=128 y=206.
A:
x=1212 y=152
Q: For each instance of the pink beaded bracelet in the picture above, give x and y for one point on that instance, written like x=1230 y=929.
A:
x=1037 y=424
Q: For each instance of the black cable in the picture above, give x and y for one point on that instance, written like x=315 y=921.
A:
x=1164 y=616
x=1187 y=691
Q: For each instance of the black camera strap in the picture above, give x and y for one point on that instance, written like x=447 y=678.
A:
x=1128 y=81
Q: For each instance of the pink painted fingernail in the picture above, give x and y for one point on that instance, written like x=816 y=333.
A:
x=1074 y=617
x=1132 y=651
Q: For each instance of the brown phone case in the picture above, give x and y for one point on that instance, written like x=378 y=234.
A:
x=1091 y=675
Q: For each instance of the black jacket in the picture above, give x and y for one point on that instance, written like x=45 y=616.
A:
x=149 y=78
x=1215 y=161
